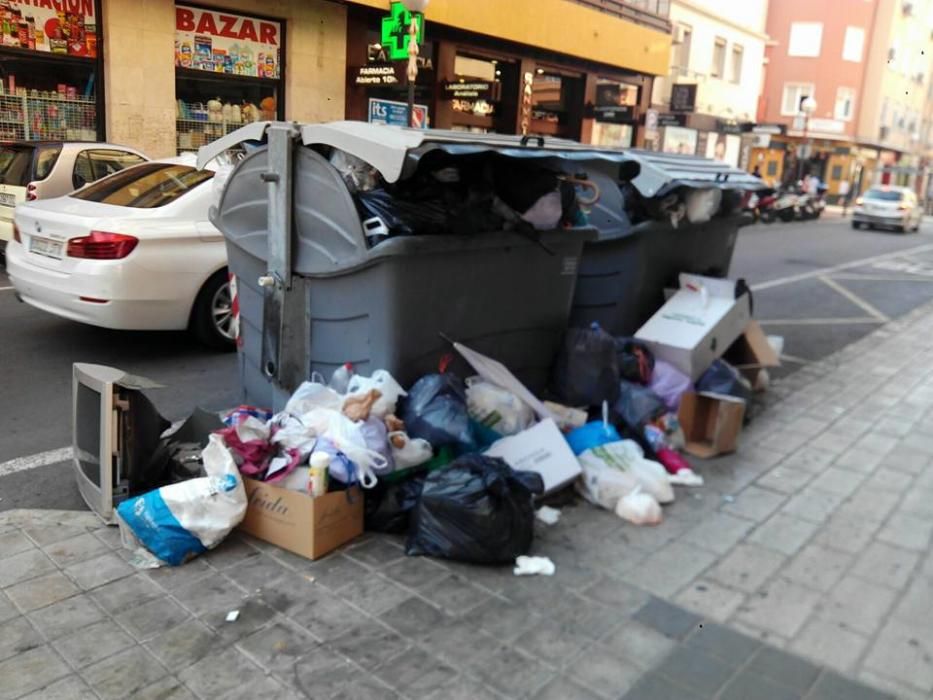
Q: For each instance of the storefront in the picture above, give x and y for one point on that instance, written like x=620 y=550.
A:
x=228 y=72
x=473 y=83
x=50 y=70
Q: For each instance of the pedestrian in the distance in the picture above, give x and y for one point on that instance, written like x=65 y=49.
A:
x=757 y=171
x=844 y=194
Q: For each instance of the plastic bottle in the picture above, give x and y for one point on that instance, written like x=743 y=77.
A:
x=341 y=378
x=317 y=474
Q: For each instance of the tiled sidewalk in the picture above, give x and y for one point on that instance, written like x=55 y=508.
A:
x=811 y=542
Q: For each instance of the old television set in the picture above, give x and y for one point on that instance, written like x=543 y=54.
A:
x=115 y=432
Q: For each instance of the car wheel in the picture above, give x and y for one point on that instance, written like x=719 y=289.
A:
x=900 y=229
x=856 y=224
x=212 y=315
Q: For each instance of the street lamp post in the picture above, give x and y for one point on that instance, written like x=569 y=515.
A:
x=414 y=7
x=808 y=107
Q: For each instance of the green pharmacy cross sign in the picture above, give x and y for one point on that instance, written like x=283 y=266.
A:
x=395 y=31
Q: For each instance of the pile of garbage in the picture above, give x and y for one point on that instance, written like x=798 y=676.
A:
x=460 y=465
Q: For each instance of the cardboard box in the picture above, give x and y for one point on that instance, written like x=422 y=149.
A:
x=292 y=520
x=711 y=423
x=752 y=352
x=543 y=449
x=697 y=325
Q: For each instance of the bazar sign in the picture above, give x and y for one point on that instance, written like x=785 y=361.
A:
x=456 y=90
x=190 y=19
x=225 y=43
x=375 y=75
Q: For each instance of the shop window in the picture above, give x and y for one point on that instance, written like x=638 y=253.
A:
x=476 y=93
x=554 y=97
x=719 y=58
x=836 y=173
x=614 y=114
x=49 y=72
x=772 y=168
x=228 y=72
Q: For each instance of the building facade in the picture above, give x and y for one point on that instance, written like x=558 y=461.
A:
x=865 y=64
x=167 y=76
x=707 y=103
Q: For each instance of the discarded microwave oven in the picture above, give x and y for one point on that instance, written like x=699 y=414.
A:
x=115 y=431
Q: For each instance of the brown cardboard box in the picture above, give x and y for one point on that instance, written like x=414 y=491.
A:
x=311 y=527
x=711 y=423
x=752 y=353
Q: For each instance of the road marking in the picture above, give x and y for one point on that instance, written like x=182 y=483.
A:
x=817 y=321
x=855 y=299
x=921 y=269
x=41 y=459
x=865 y=277
x=781 y=281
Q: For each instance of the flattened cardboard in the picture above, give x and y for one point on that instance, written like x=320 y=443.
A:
x=751 y=350
x=698 y=324
x=292 y=520
x=711 y=423
x=542 y=449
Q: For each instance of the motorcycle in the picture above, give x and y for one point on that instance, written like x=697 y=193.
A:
x=761 y=205
x=786 y=206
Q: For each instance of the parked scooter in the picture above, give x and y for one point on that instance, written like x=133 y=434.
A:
x=786 y=206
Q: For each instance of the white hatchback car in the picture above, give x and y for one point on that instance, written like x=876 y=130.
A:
x=891 y=207
x=134 y=251
x=31 y=170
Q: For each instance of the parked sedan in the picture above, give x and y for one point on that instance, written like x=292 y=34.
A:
x=889 y=207
x=134 y=251
x=31 y=170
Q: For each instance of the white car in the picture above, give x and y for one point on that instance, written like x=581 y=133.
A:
x=890 y=207
x=134 y=251
x=31 y=170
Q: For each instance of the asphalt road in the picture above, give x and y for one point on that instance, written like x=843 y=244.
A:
x=812 y=287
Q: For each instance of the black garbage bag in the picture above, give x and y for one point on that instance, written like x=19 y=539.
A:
x=586 y=372
x=388 y=506
x=635 y=359
x=435 y=410
x=723 y=378
x=477 y=510
x=400 y=216
x=638 y=405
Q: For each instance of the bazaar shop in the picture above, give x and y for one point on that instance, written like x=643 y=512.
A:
x=228 y=72
x=50 y=70
x=468 y=82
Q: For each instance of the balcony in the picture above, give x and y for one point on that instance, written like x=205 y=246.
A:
x=648 y=13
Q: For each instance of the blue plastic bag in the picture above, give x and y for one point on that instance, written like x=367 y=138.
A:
x=593 y=434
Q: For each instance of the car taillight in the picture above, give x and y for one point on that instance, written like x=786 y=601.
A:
x=101 y=245
x=31 y=194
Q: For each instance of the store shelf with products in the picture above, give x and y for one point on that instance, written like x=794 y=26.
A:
x=47 y=118
x=191 y=134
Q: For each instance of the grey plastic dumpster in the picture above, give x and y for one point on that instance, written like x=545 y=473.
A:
x=623 y=274
x=384 y=307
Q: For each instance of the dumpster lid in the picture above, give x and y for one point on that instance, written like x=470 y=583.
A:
x=395 y=151
x=662 y=172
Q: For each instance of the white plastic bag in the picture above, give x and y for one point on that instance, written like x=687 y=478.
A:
x=702 y=204
x=601 y=484
x=497 y=408
x=627 y=459
x=383 y=382
x=415 y=451
x=639 y=508
x=311 y=395
x=178 y=522
x=349 y=439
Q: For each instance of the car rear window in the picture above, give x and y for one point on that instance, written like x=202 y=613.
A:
x=145 y=186
x=16 y=165
x=46 y=159
x=884 y=195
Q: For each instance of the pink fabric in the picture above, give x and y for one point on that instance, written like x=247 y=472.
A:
x=672 y=460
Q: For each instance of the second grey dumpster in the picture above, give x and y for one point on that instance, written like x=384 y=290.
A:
x=312 y=295
x=623 y=274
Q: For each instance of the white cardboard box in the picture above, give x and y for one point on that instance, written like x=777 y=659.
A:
x=543 y=449
x=696 y=325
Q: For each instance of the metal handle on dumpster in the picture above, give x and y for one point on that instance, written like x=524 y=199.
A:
x=527 y=137
x=278 y=280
